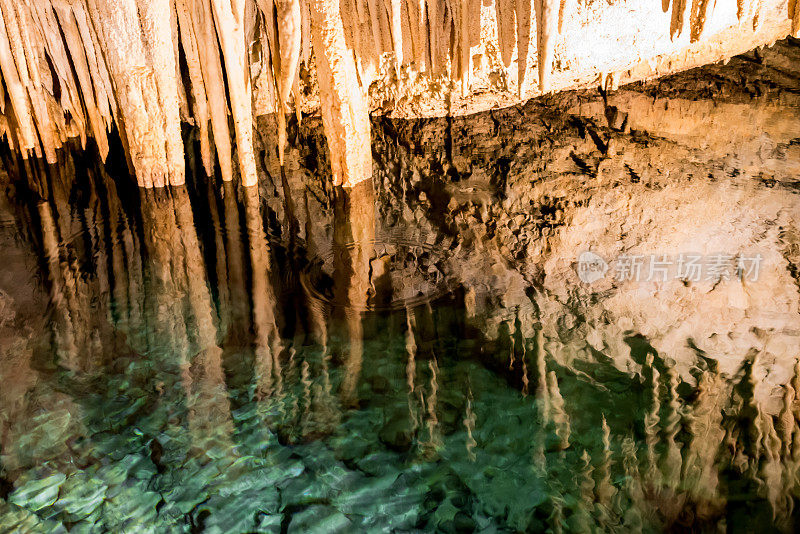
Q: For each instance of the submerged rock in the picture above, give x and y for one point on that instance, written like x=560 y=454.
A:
x=319 y=519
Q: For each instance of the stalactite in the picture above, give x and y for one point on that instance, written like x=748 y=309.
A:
x=70 y=100
x=229 y=21
x=15 y=78
x=76 y=47
x=702 y=11
x=523 y=15
x=546 y=26
x=794 y=12
x=29 y=63
x=345 y=116
x=200 y=21
x=564 y=12
x=505 y=28
x=155 y=16
x=396 y=25
x=283 y=19
x=290 y=39
x=136 y=91
x=422 y=49
x=680 y=15
x=104 y=90
x=78 y=68
x=411 y=36
x=200 y=108
x=461 y=41
x=758 y=18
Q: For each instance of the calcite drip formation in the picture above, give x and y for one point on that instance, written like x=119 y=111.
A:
x=79 y=68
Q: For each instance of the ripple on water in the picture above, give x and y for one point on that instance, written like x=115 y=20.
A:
x=392 y=272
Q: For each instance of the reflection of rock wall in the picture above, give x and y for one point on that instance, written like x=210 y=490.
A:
x=525 y=196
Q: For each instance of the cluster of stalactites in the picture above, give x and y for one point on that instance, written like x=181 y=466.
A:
x=76 y=68
x=436 y=35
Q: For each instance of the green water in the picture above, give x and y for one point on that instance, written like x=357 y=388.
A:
x=184 y=361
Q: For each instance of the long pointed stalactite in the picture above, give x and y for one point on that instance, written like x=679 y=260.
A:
x=83 y=68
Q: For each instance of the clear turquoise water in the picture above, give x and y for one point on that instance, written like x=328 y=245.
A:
x=184 y=363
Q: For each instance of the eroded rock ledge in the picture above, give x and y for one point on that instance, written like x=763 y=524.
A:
x=80 y=68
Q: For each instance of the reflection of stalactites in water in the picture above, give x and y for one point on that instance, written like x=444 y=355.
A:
x=411 y=368
x=556 y=518
x=520 y=343
x=795 y=410
x=289 y=371
x=237 y=311
x=166 y=329
x=671 y=462
x=541 y=376
x=558 y=413
x=700 y=474
x=786 y=422
x=434 y=432
x=651 y=422
x=469 y=425
x=582 y=520
x=220 y=261
x=512 y=346
x=203 y=375
x=632 y=516
x=752 y=417
x=411 y=349
x=354 y=235
x=65 y=331
x=197 y=291
x=771 y=474
x=267 y=342
x=539 y=459
x=305 y=380
x=605 y=489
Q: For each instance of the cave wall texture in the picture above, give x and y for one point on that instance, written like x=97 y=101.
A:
x=82 y=68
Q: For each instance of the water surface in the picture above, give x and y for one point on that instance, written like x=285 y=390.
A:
x=213 y=359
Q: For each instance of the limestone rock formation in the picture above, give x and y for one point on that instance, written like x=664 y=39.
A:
x=81 y=68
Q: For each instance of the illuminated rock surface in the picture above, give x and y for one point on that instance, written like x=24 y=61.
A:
x=84 y=68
